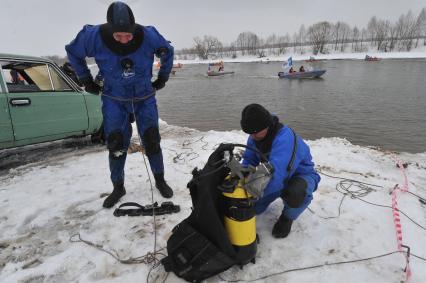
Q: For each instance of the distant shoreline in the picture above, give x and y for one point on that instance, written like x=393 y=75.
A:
x=321 y=57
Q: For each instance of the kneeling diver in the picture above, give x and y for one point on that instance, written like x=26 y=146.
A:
x=294 y=177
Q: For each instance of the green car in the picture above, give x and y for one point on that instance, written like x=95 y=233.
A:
x=40 y=103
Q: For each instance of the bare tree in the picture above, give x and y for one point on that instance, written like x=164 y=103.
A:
x=248 y=42
x=270 y=43
x=345 y=31
x=372 y=29
x=355 y=39
x=420 y=26
x=207 y=45
x=378 y=32
x=241 y=43
x=392 y=37
x=335 y=33
x=302 y=38
x=295 y=42
x=410 y=25
x=422 y=17
x=363 y=36
x=382 y=30
x=319 y=34
x=406 y=28
x=399 y=31
x=232 y=51
x=283 y=43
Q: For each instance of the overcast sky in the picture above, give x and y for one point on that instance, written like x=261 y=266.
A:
x=43 y=27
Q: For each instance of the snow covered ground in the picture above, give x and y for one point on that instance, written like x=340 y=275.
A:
x=43 y=205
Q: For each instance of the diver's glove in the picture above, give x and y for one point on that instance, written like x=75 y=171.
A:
x=90 y=86
x=218 y=154
x=259 y=179
x=159 y=83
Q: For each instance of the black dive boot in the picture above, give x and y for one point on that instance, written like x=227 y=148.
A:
x=162 y=186
x=115 y=196
x=282 y=227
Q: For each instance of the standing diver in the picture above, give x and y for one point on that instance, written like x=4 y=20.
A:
x=124 y=52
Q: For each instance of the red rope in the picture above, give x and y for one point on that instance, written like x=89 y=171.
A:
x=397 y=219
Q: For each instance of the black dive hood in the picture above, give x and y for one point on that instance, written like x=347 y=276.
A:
x=106 y=32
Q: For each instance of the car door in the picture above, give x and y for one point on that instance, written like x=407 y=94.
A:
x=6 y=131
x=43 y=104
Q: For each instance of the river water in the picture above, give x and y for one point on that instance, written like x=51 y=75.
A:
x=369 y=103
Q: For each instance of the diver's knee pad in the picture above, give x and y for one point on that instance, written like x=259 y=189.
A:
x=115 y=145
x=151 y=140
x=295 y=192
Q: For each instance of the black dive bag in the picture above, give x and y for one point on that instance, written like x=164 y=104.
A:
x=192 y=256
x=199 y=246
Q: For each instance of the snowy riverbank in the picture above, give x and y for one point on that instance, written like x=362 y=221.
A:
x=42 y=206
x=419 y=53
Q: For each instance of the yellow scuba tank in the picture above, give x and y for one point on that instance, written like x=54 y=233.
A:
x=237 y=204
x=239 y=218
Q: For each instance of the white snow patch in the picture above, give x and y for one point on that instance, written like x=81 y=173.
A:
x=43 y=206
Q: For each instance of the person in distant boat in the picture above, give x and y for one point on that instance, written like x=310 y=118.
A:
x=124 y=52
x=292 y=70
x=301 y=69
x=221 y=67
x=294 y=177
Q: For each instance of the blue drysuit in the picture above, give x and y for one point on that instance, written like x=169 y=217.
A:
x=279 y=157
x=124 y=84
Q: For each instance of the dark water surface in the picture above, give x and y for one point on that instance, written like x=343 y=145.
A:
x=369 y=103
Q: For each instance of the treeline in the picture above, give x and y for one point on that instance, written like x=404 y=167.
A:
x=408 y=32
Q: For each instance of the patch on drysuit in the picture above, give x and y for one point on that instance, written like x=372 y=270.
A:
x=128 y=68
